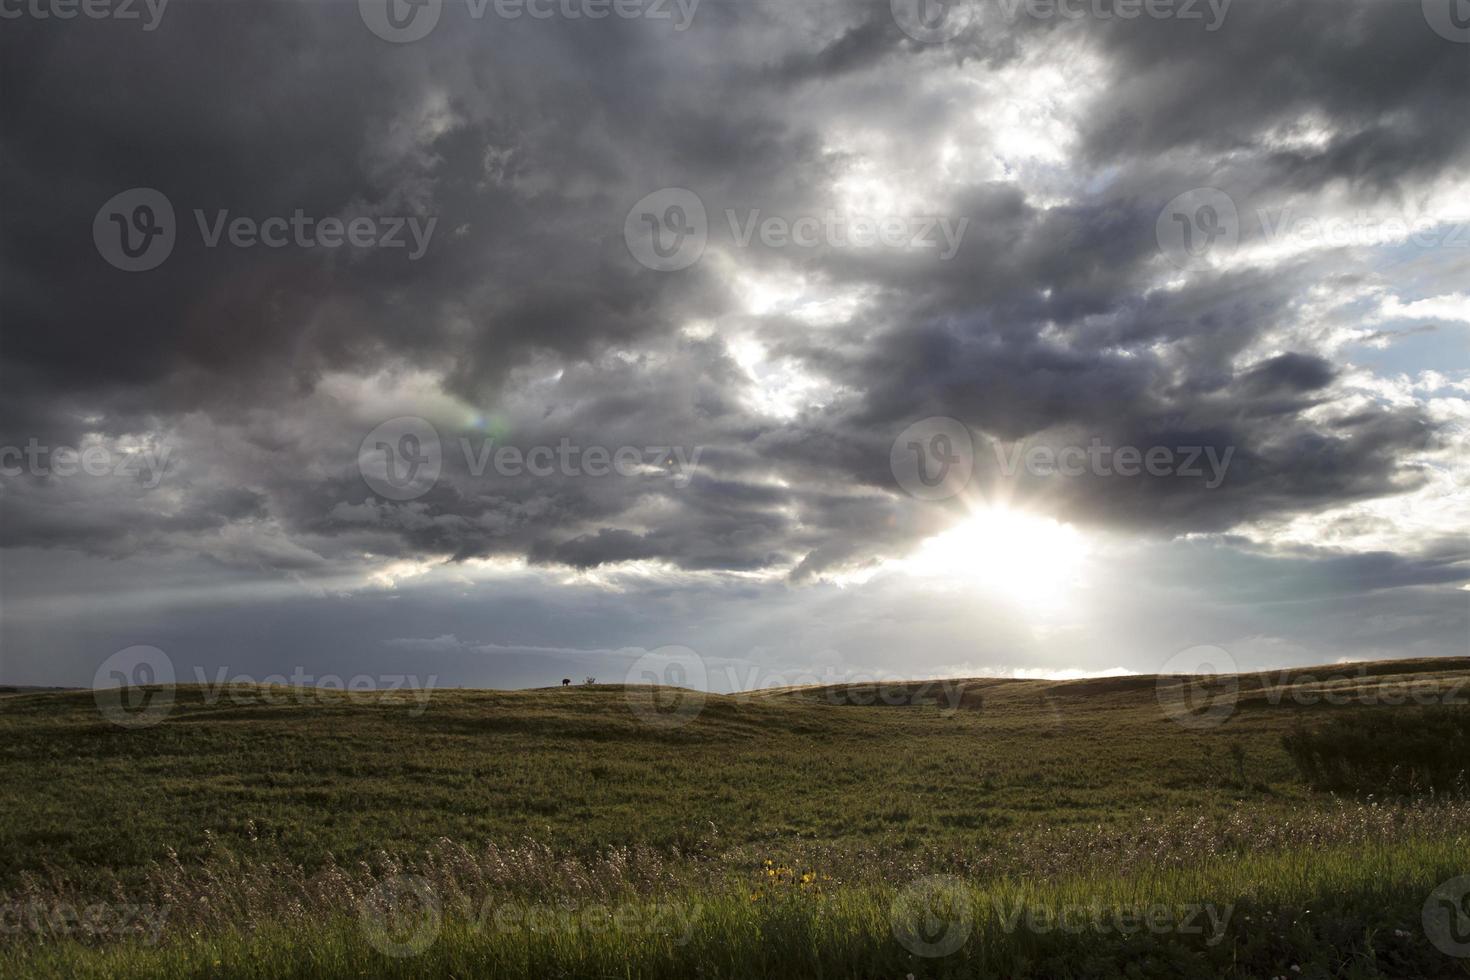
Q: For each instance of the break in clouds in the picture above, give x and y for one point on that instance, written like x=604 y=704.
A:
x=509 y=341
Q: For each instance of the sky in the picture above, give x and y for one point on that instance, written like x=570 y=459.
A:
x=783 y=342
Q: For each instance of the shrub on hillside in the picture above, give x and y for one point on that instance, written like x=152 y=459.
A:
x=1387 y=751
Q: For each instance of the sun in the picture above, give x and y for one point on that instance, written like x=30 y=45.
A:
x=1027 y=558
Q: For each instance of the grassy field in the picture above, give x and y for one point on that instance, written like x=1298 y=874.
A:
x=1038 y=828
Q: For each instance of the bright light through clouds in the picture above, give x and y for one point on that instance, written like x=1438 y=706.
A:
x=646 y=371
x=1029 y=559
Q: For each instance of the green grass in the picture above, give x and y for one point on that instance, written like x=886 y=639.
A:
x=267 y=823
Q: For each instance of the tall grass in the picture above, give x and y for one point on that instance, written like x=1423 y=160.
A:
x=1341 y=912
x=1338 y=893
x=1398 y=750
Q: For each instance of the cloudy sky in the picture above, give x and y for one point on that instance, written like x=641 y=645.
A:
x=510 y=341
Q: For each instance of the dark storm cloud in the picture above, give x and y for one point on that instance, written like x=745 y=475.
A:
x=529 y=141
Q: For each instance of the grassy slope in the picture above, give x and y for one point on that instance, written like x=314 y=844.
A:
x=769 y=774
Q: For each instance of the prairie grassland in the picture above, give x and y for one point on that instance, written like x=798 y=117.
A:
x=1065 y=829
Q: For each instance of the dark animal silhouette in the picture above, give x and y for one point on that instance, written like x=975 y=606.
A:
x=566 y=682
